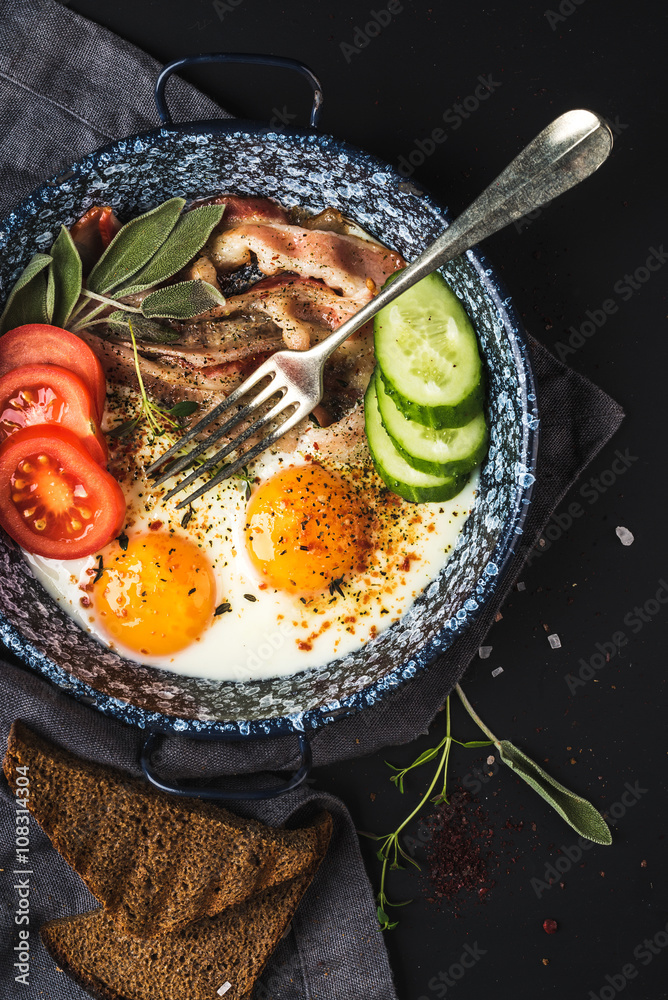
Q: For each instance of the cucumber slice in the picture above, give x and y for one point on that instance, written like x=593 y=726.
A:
x=446 y=452
x=402 y=478
x=428 y=353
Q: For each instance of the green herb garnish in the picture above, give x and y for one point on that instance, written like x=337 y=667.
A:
x=99 y=571
x=578 y=812
x=145 y=253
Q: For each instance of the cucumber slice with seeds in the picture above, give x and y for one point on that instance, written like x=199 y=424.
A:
x=428 y=354
x=394 y=470
x=446 y=452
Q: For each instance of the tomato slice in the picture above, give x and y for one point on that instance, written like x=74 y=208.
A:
x=41 y=344
x=55 y=501
x=47 y=394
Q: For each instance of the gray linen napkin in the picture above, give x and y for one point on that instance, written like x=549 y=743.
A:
x=54 y=109
x=64 y=86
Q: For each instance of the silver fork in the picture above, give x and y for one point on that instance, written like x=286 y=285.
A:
x=571 y=148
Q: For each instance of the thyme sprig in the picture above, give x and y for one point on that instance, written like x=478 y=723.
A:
x=154 y=415
x=391 y=850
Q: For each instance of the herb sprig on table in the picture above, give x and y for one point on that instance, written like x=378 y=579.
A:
x=578 y=812
x=146 y=252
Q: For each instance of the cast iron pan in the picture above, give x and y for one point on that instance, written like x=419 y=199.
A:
x=305 y=167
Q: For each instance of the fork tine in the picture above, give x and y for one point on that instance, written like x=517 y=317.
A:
x=232 y=445
x=248 y=456
x=217 y=411
x=182 y=463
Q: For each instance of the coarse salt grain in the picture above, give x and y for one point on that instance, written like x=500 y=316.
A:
x=224 y=988
x=624 y=535
x=484 y=651
x=497 y=671
x=554 y=641
x=521 y=586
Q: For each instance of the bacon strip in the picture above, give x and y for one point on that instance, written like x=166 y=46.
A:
x=244 y=208
x=301 y=307
x=347 y=264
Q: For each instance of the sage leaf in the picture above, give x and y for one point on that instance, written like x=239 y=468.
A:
x=50 y=298
x=578 y=812
x=145 y=330
x=184 y=300
x=186 y=239
x=26 y=302
x=133 y=246
x=184 y=409
x=66 y=270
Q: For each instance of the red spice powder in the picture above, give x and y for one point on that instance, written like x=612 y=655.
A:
x=459 y=852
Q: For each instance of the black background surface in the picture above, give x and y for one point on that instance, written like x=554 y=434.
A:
x=583 y=584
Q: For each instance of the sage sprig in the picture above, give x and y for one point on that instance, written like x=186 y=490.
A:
x=578 y=812
x=145 y=253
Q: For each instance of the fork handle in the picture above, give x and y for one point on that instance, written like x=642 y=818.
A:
x=571 y=148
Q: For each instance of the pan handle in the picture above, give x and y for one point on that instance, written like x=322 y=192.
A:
x=217 y=795
x=238 y=57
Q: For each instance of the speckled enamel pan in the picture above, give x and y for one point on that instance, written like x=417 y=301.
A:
x=314 y=170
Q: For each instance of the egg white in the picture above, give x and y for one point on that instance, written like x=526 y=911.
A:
x=267 y=633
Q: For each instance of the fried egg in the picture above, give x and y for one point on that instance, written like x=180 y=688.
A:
x=302 y=560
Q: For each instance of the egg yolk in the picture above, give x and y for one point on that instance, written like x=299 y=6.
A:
x=158 y=595
x=307 y=527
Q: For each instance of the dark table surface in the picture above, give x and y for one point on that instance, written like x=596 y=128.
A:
x=588 y=274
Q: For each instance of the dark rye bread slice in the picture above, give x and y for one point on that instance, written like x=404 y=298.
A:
x=154 y=862
x=193 y=963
